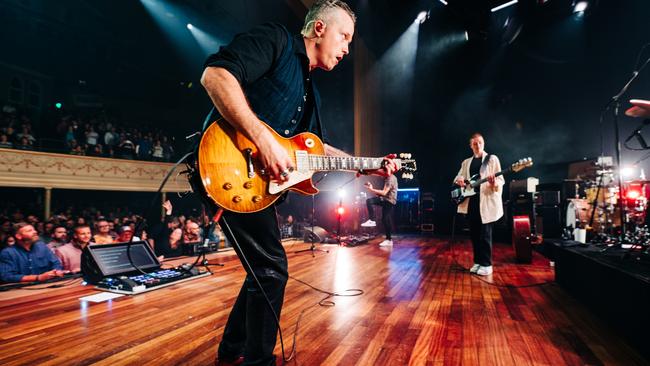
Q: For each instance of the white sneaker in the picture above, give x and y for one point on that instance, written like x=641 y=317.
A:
x=369 y=223
x=386 y=243
x=484 y=271
x=474 y=268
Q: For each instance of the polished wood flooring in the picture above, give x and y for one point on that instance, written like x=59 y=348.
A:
x=419 y=307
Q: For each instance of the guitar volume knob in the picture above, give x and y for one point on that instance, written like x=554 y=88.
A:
x=257 y=199
x=237 y=199
x=227 y=186
x=248 y=185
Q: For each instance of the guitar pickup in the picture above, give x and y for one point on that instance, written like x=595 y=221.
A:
x=248 y=153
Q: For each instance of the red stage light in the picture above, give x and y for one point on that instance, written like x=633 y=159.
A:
x=340 y=210
x=633 y=194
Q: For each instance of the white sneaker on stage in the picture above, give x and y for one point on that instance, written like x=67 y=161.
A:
x=386 y=243
x=474 y=268
x=369 y=223
x=484 y=271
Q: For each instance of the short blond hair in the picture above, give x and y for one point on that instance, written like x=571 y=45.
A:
x=475 y=135
x=322 y=10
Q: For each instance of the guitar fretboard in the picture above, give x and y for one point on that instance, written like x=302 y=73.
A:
x=483 y=180
x=305 y=161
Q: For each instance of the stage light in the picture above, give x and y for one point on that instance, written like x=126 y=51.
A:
x=502 y=6
x=58 y=105
x=341 y=192
x=633 y=194
x=580 y=7
x=422 y=17
x=190 y=26
x=340 y=210
x=466 y=35
x=443 y=2
x=627 y=172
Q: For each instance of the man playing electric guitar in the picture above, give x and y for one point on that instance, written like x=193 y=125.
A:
x=485 y=208
x=266 y=75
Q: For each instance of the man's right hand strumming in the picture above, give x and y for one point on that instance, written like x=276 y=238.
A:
x=274 y=158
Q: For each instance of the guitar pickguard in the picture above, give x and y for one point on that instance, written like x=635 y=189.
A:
x=295 y=178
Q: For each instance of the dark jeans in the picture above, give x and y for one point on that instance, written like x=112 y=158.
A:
x=386 y=213
x=251 y=329
x=480 y=233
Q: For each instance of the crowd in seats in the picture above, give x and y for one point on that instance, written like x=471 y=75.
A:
x=97 y=134
x=35 y=250
x=15 y=130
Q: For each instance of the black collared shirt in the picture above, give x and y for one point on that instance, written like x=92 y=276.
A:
x=257 y=55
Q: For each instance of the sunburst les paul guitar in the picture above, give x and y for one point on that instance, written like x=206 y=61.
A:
x=459 y=194
x=231 y=173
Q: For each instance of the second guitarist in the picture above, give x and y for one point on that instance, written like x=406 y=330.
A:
x=484 y=208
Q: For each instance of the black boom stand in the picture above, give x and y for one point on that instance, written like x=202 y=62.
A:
x=615 y=101
x=207 y=229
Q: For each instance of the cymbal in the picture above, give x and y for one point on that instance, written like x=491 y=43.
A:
x=640 y=108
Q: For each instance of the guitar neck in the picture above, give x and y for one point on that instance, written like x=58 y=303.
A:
x=481 y=181
x=331 y=163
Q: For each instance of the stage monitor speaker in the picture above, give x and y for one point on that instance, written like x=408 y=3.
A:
x=315 y=234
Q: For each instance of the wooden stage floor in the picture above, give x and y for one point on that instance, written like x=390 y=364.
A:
x=419 y=307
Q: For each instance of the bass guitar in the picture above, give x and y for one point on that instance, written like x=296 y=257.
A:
x=459 y=194
x=231 y=173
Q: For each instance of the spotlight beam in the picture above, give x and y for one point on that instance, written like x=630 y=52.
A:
x=502 y=6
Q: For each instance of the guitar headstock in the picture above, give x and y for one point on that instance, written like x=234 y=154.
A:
x=521 y=164
x=406 y=165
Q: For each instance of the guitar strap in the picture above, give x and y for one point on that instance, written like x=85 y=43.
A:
x=486 y=161
x=319 y=126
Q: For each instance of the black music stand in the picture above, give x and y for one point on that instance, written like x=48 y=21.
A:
x=312 y=248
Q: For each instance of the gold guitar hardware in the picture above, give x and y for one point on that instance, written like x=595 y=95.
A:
x=227 y=186
x=248 y=185
x=236 y=199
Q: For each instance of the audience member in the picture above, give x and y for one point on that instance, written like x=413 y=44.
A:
x=70 y=254
x=28 y=260
x=125 y=233
x=4 y=141
x=164 y=234
x=191 y=231
x=103 y=235
x=59 y=237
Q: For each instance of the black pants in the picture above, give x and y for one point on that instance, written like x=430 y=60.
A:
x=386 y=213
x=480 y=233
x=251 y=329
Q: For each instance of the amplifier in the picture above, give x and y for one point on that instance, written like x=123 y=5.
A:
x=547 y=198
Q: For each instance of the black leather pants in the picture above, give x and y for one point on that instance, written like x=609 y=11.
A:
x=251 y=329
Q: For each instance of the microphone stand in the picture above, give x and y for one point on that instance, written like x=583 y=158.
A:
x=617 y=106
x=312 y=237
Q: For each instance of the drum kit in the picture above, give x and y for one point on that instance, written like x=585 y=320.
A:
x=595 y=205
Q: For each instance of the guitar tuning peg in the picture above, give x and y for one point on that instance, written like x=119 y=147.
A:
x=401 y=155
x=408 y=156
